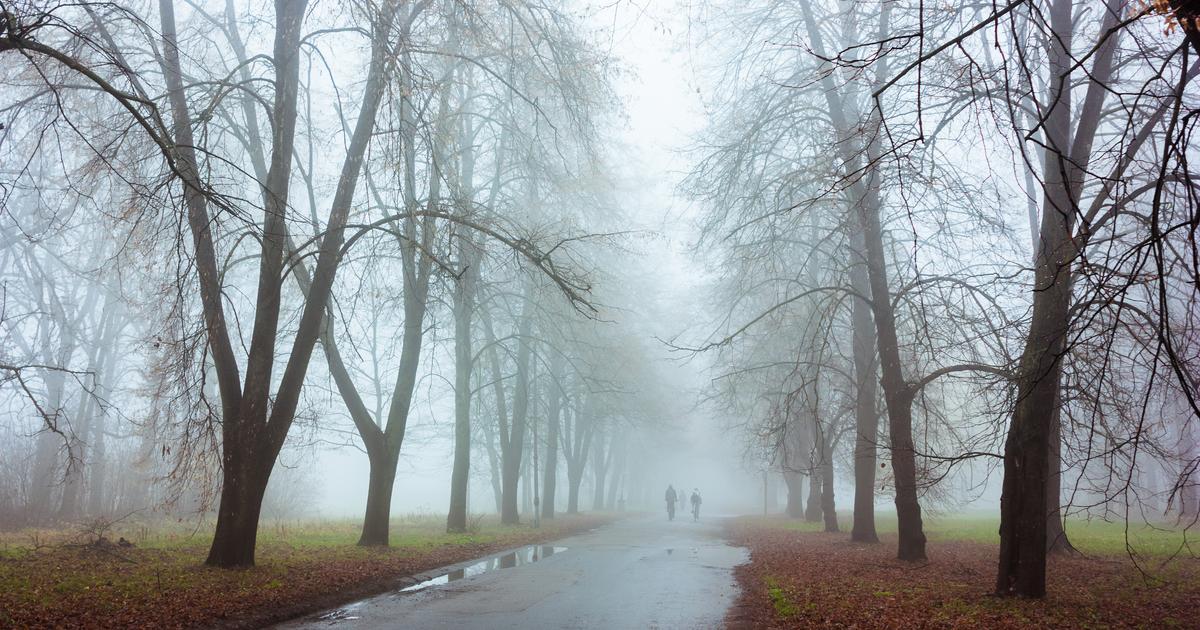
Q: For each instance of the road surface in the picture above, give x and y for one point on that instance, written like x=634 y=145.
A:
x=637 y=573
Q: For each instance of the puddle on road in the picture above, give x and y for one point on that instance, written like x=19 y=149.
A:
x=520 y=557
x=346 y=613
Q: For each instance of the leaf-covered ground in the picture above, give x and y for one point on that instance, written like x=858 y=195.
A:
x=798 y=578
x=162 y=582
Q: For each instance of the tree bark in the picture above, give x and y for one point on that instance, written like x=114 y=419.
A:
x=617 y=468
x=512 y=446
x=489 y=435
x=380 y=485
x=828 y=508
x=866 y=420
x=552 y=430
x=795 y=493
x=460 y=477
x=236 y=534
x=1023 y=514
x=812 y=509
x=1056 y=535
x=253 y=430
x=898 y=395
x=578 y=440
x=599 y=473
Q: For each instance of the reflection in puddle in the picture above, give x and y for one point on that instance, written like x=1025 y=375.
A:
x=341 y=614
x=525 y=555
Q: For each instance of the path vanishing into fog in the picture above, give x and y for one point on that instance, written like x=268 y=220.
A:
x=636 y=573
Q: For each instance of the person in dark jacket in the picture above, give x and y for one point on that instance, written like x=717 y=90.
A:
x=671 y=498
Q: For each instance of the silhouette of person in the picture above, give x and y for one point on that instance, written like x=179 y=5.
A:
x=696 y=501
x=671 y=498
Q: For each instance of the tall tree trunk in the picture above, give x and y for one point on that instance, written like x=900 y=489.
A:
x=574 y=480
x=512 y=448
x=828 y=508
x=617 y=468
x=489 y=434
x=1023 y=501
x=416 y=267
x=1056 y=535
x=385 y=455
x=897 y=394
x=526 y=482
x=577 y=442
x=812 y=509
x=381 y=482
x=238 y=512
x=795 y=493
x=80 y=459
x=599 y=473
x=46 y=468
x=771 y=489
x=98 y=471
x=460 y=478
x=866 y=420
x=552 y=431
x=88 y=412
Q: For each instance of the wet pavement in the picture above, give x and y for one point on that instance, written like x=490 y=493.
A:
x=637 y=573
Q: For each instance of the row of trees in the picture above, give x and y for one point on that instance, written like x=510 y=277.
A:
x=973 y=229
x=205 y=199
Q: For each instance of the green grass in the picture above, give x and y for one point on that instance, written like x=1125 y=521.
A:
x=779 y=599
x=55 y=578
x=413 y=531
x=1093 y=537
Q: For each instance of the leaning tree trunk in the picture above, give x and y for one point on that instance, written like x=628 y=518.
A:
x=385 y=456
x=897 y=394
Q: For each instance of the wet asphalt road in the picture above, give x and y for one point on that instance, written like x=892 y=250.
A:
x=636 y=573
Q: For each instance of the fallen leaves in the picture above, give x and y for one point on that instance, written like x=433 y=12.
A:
x=812 y=579
x=80 y=587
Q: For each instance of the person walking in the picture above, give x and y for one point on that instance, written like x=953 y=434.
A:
x=671 y=498
x=696 y=504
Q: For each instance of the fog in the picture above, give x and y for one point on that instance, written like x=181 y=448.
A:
x=821 y=260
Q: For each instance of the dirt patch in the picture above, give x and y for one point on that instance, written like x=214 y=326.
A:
x=809 y=579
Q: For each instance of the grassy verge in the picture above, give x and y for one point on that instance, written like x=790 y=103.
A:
x=55 y=579
x=799 y=576
x=1096 y=537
